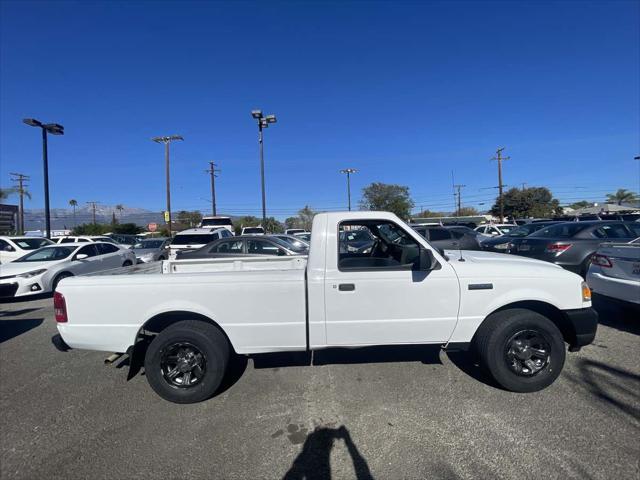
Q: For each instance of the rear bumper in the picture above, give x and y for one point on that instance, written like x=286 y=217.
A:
x=618 y=288
x=583 y=324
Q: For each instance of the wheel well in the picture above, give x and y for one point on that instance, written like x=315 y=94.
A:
x=549 y=311
x=158 y=323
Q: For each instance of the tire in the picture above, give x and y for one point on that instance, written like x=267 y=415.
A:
x=59 y=277
x=200 y=347
x=501 y=344
x=127 y=263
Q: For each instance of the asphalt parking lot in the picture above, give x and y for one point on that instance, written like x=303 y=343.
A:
x=383 y=413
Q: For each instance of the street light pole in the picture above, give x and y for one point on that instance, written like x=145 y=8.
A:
x=348 y=172
x=167 y=140
x=54 y=129
x=263 y=122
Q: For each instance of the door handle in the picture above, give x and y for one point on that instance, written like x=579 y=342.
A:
x=346 y=287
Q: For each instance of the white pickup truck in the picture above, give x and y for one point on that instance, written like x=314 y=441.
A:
x=516 y=313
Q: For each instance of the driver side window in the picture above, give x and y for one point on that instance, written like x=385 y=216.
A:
x=375 y=245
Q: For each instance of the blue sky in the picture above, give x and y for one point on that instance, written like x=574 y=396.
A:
x=405 y=92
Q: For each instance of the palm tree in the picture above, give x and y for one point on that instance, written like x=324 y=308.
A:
x=622 y=196
x=120 y=209
x=74 y=204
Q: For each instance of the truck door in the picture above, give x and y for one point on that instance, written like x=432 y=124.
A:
x=375 y=294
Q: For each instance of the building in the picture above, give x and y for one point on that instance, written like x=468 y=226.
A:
x=8 y=218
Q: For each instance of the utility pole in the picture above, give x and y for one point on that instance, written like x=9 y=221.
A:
x=93 y=208
x=20 y=178
x=348 y=172
x=459 y=197
x=212 y=171
x=499 y=158
x=167 y=140
x=523 y=186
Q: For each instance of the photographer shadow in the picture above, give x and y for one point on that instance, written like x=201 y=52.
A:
x=313 y=462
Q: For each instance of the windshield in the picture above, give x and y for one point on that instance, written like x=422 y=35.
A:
x=148 y=244
x=47 y=254
x=507 y=228
x=563 y=230
x=216 y=222
x=31 y=243
x=253 y=230
x=194 y=239
x=294 y=244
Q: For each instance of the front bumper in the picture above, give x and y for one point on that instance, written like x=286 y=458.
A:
x=20 y=287
x=582 y=324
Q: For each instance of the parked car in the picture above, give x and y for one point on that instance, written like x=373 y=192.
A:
x=252 y=231
x=12 y=248
x=516 y=313
x=296 y=243
x=571 y=244
x=217 y=222
x=496 y=229
x=615 y=271
x=124 y=239
x=448 y=237
x=151 y=249
x=195 y=238
x=83 y=239
x=356 y=241
x=241 y=246
x=306 y=236
x=502 y=243
x=294 y=231
x=41 y=270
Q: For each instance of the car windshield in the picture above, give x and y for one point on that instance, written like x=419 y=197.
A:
x=524 y=230
x=294 y=244
x=507 y=228
x=148 y=244
x=31 y=243
x=563 y=230
x=216 y=222
x=253 y=230
x=190 y=239
x=47 y=254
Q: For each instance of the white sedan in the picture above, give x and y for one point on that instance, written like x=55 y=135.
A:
x=615 y=271
x=41 y=271
x=12 y=248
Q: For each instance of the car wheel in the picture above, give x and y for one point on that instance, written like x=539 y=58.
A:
x=521 y=349
x=186 y=362
x=127 y=263
x=57 y=279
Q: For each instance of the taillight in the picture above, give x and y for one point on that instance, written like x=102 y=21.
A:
x=601 y=260
x=60 y=307
x=557 y=247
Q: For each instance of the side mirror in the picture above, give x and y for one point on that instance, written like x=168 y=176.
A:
x=81 y=256
x=426 y=260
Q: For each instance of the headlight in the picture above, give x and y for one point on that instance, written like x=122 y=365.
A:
x=32 y=274
x=147 y=257
x=586 y=292
x=501 y=246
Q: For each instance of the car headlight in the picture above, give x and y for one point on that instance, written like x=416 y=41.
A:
x=501 y=246
x=147 y=257
x=32 y=273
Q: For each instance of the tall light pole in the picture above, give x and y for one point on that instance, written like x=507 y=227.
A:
x=348 y=172
x=53 y=129
x=167 y=140
x=212 y=171
x=263 y=122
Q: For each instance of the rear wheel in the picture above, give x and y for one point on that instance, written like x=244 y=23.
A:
x=186 y=362
x=127 y=263
x=59 y=277
x=521 y=349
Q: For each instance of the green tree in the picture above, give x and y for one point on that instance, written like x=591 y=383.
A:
x=272 y=225
x=426 y=213
x=387 y=197
x=74 y=205
x=90 y=229
x=580 y=204
x=246 y=221
x=128 y=229
x=530 y=202
x=292 y=222
x=622 y=196
x=189 y=218
x=467 y=212
x=120 y=209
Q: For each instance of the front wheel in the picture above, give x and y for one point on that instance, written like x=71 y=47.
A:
x=186 y=362
x=58 y=278
x=522 y=350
